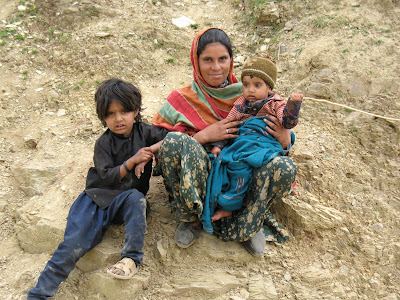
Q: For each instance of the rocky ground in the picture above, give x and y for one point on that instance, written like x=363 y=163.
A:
x=344 y=217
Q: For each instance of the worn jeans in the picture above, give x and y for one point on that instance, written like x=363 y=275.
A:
x=86 y=225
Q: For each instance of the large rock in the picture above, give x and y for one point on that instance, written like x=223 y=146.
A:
x=41 y=223
x=308 y=214
x=33 y=180
x=217 y=249
x=202 y=284
x=41 y=226
x=105 y=254
x=110 y=288
x=268 y=13
x=261 y=288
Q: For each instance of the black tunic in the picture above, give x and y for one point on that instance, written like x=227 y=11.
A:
x=103 y=181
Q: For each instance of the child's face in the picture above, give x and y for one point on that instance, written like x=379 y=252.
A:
x=255 y=88
x=119 y=120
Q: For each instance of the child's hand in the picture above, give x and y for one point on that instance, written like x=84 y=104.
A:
x=144 y=154
x=296 y=97
x=219 y=214
x=215 y=151
x=139 y=169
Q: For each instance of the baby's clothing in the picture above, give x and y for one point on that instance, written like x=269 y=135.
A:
x=233 y=168
x=287 y=112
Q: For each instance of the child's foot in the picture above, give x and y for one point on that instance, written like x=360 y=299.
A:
x=124 y=269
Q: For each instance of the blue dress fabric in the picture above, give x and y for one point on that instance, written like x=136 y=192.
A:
x=232 y=170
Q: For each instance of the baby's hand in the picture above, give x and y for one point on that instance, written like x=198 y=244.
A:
x=215 y=151
x=296 y=97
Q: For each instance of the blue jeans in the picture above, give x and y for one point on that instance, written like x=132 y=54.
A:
x=86 y=225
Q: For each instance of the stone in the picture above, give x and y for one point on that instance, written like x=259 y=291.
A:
x=215 y=248
x=200 y=284
x=344 y=270
x=311 y=216
x=161 y=250
x=319 y=90
x=262 y=288
x=61 y=112
x=287 y=276
x=33 y=179
x=317 y=277
x=41 y=221
x=397 y=253
x=240 y=59
x=269 y=14
x=109 y=287
x=102 y=34
x=357 y=87
x=377 y=227
x=105 y=254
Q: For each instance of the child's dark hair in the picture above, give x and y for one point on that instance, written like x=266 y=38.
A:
x=214 y=35
x=114 y=89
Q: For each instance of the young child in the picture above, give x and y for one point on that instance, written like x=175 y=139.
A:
x=113 y=193
x=254 y=147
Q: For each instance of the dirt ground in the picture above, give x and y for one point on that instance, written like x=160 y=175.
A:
x=344 y=218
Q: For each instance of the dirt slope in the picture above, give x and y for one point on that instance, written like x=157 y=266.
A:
x=344 y=218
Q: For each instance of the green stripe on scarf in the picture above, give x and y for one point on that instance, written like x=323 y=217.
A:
x=173 y=116
x=226 y=93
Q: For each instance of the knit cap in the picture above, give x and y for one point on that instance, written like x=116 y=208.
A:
x=263 y=68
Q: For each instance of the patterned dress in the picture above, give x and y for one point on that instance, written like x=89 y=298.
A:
x=186 y=165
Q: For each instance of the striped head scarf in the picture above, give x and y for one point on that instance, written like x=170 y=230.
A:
x=194 y=107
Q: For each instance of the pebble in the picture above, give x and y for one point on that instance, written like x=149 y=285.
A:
x=287 y=276
x=102 y=34
x=61 y=112
x=344 y=270
x=377 y=227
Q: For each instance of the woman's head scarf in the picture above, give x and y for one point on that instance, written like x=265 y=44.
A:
x=194 y=107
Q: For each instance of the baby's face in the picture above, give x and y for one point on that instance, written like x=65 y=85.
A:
x=255 y=88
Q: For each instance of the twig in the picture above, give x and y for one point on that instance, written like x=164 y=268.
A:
x=351 y=108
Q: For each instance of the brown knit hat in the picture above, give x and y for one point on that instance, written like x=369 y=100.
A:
x=263 y=68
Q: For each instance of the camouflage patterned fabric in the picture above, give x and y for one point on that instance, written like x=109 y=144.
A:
x=185 y=166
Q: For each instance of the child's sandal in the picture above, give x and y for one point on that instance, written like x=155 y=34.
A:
x=126 y=265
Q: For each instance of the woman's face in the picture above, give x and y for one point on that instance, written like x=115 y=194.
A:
x=214 y=64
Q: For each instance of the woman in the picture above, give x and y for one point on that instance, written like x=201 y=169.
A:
x=197 y=113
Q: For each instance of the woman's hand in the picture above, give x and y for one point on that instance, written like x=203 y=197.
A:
x=219 y=131
x=279 y=132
